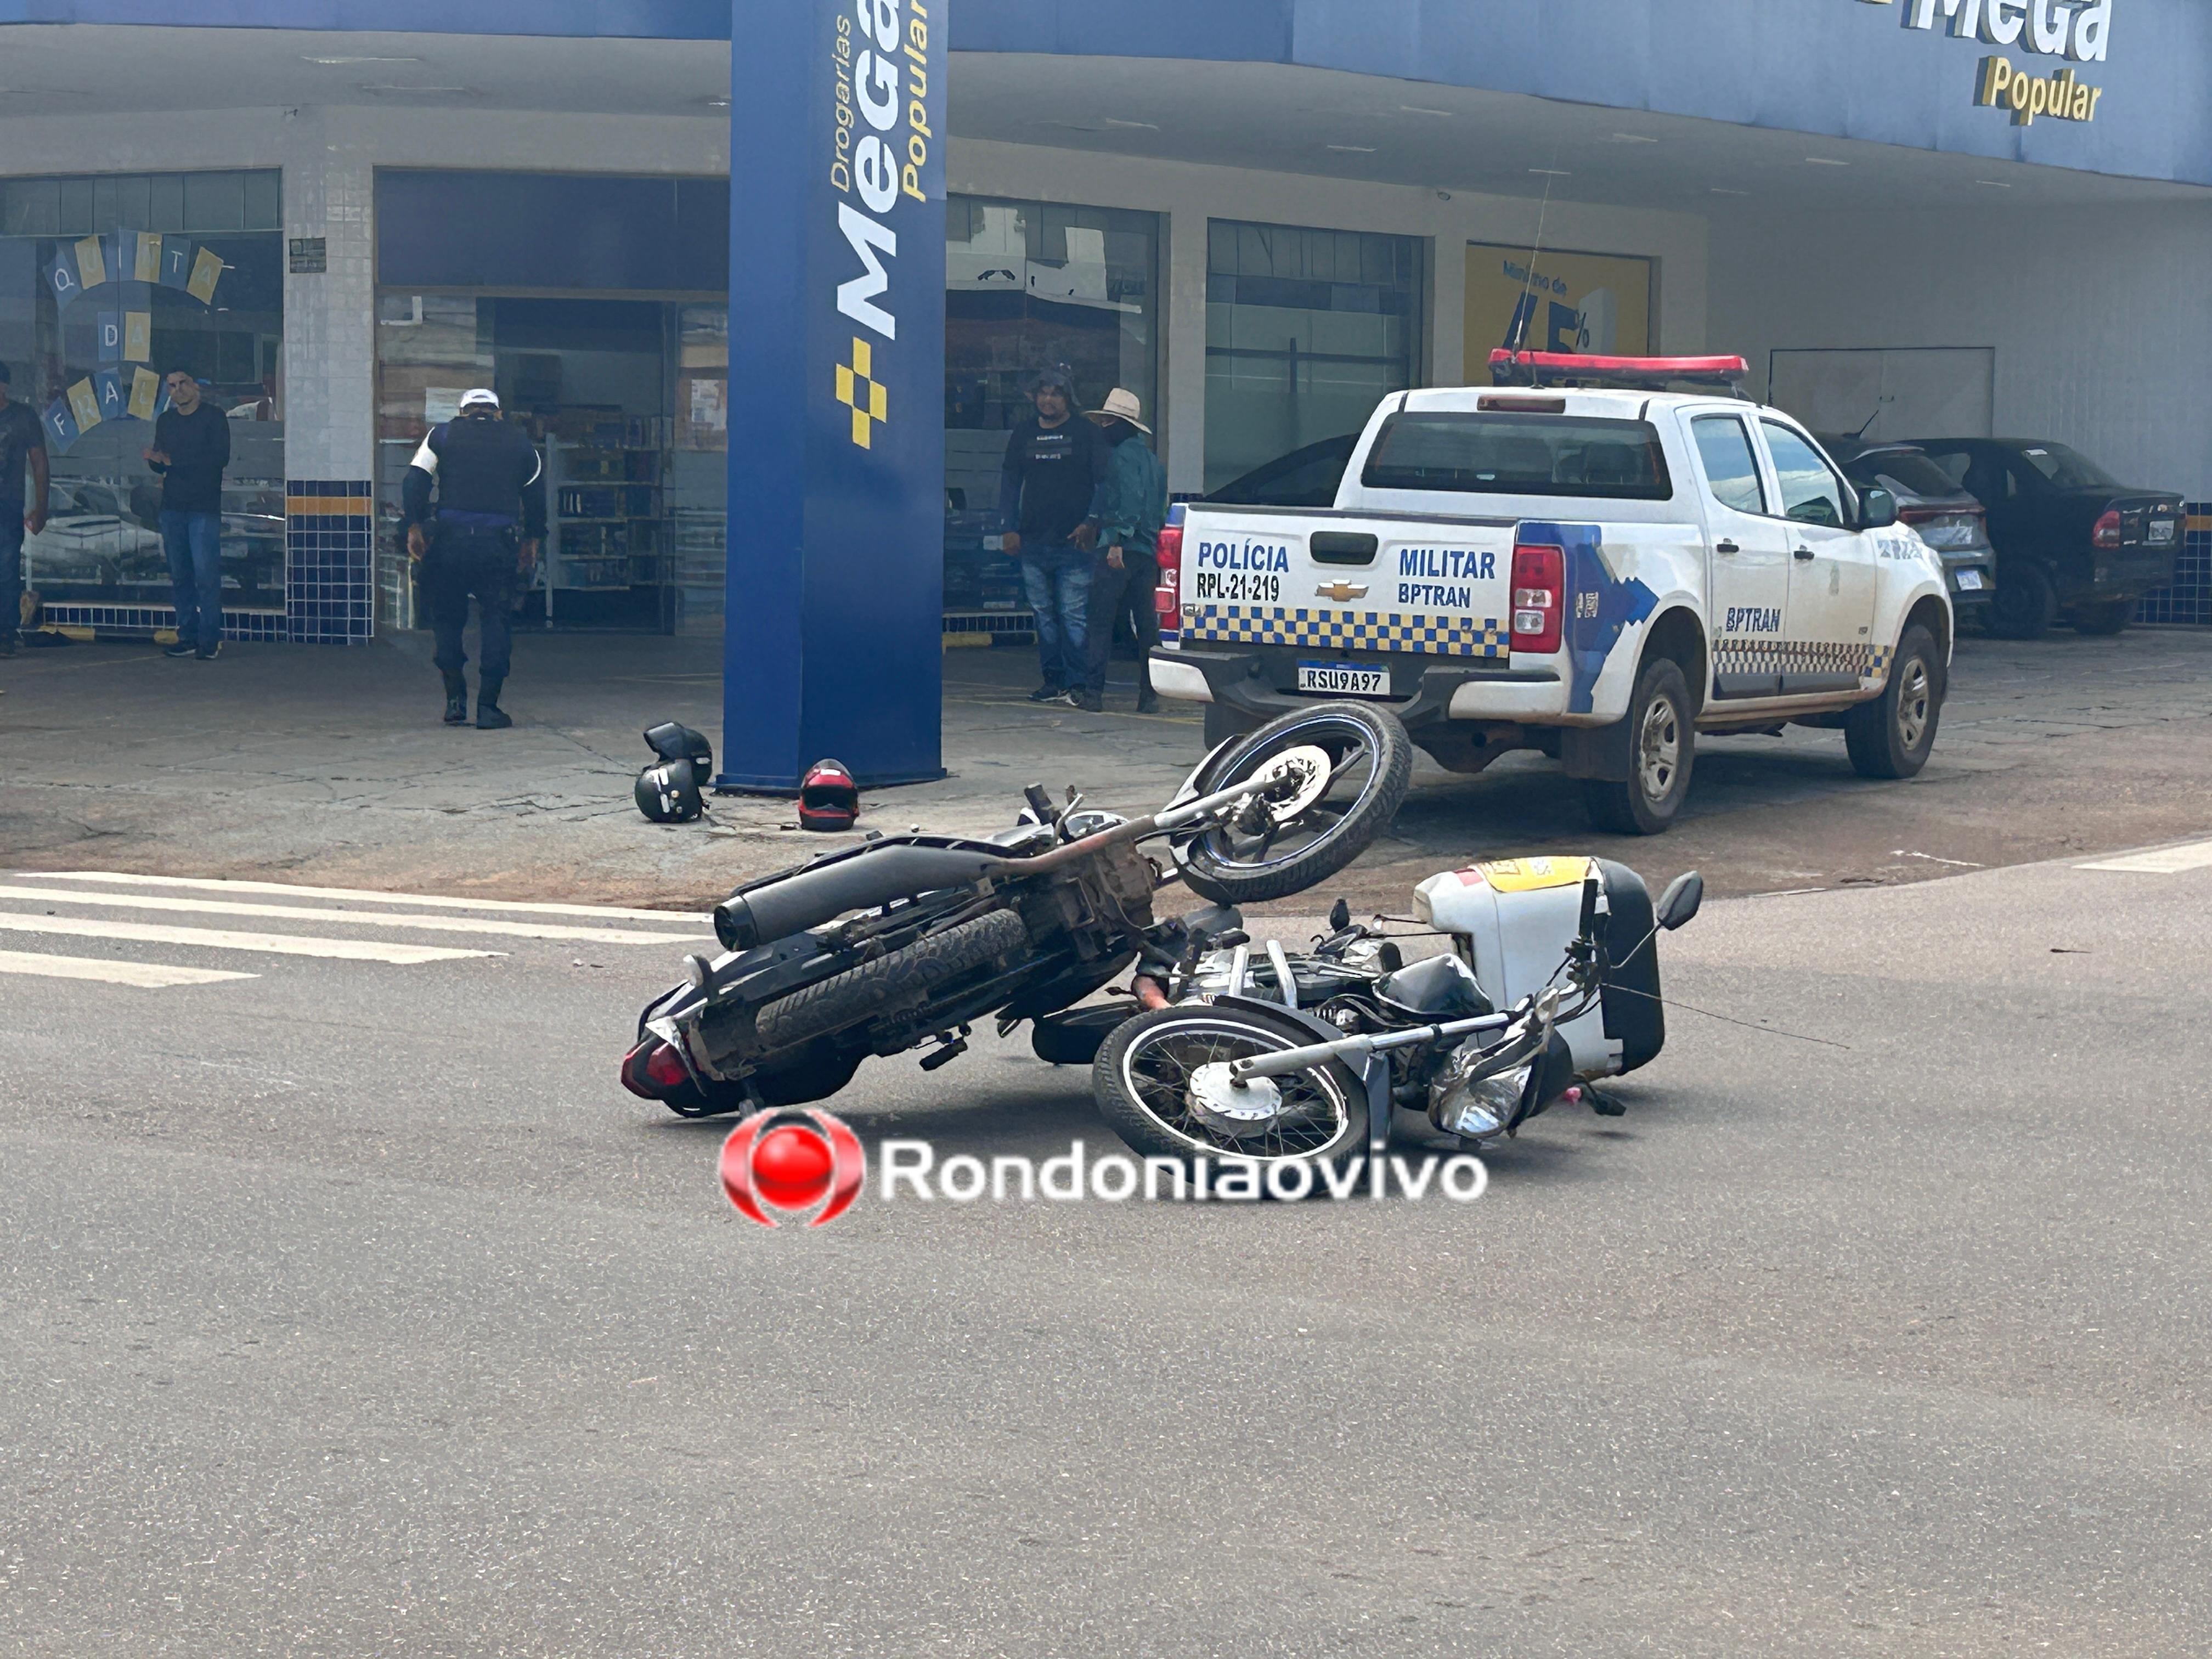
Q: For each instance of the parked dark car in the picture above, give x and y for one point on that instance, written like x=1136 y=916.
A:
x=1950 y=519
x=2071 y=539
x=1304 y=478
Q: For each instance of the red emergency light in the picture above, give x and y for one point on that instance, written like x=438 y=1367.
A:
x=1643 y=374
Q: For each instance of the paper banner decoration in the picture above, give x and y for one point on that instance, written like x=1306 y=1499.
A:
x=91 y=262
x=137 y=337
x=145 y=390
x=176 y=261
x=146 y=258
x=61 y=426
x=107 y=387
x=62 y=277
x=110 y=337
x=84 y=404
x=207 y=271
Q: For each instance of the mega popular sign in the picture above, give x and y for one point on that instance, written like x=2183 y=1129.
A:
x=2079 y=30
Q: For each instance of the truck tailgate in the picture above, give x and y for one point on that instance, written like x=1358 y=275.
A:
x=1345 y=582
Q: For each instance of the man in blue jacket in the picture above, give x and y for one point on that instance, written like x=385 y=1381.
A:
x=1133 y=506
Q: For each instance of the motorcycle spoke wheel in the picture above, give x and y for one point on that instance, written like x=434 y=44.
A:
x=1157 y=1072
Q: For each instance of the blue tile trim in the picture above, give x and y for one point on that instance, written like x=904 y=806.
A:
x=330 y=564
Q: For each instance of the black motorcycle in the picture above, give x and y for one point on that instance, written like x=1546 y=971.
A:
x=908 y=941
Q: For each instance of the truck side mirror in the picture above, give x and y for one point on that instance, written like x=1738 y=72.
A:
x=1678 y=904
x=1877 y=509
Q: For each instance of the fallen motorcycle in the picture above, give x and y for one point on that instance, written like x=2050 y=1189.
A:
x=907 y=940
x=1550 y=984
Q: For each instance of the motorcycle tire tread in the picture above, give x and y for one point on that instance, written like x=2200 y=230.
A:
x=895 y=983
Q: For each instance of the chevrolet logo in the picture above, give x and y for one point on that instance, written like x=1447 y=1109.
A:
x=1341 y=591
x=866 y=398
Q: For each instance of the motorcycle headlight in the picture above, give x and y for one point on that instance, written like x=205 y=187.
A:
x=1483 y=1106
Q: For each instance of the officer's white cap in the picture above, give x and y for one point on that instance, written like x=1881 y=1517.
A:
x=479 y=394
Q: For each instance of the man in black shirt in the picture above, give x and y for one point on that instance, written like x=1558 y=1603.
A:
x=22 y=441
x=1047 y=492
x=191 y=448
x=483 y=536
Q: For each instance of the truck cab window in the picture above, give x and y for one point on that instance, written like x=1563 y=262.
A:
x=1810 y=491
x=1731 y=469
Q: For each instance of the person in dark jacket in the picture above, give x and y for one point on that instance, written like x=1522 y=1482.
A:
x=22 y=446
x=481 y=540
x=1048 y=486
x=1125 y=578
x=191 y=448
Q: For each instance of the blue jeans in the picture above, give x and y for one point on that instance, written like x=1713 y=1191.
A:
x=194 y=543
x=11 y=569
x=1056 y=579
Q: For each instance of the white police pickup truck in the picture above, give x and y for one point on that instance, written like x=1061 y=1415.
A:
x=1590 y=564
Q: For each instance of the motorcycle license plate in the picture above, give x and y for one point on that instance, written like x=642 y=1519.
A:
x=1345 y=679
x=1970 y=580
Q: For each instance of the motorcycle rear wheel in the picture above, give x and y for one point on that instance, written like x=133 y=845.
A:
x=1142 y=1080
x=1373 y=758
x=899 y=982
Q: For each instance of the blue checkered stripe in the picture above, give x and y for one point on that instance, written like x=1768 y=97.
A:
x=1349 y=630
x=1800 y=657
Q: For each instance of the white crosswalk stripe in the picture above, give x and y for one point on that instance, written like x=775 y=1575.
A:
x=304 y=913
x=146 y=975
x=211 y=939
x=354 y=895
x=2165 y=862
x=251 y=917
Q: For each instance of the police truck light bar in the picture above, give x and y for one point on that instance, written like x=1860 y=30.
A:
x=1555 y=368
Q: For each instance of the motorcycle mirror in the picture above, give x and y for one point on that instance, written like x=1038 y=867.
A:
x=1339 y=916
x=1679 y=902
x=1389 y=959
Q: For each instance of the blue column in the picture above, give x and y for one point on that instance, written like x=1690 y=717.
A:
x=837 y=533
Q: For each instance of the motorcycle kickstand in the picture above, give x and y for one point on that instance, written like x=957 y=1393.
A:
x=953 y=1047
x=1603 y=1104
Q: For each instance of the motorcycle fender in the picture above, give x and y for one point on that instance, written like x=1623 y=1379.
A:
x=1190 y=790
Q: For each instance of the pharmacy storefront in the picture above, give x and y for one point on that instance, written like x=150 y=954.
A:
x=1914 y=217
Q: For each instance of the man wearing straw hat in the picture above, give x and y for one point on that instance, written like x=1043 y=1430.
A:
x=1133 y=505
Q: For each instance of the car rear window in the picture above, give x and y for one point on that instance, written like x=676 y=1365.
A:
x=1901 y=472
x=1502 y=455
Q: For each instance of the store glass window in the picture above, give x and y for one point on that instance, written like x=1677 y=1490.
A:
x=1032 y=285
x=1306 y=330
x=107 y=283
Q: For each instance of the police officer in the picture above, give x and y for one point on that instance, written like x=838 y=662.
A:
x=490 y=485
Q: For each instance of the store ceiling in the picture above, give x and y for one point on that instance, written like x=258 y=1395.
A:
x=1272 y=117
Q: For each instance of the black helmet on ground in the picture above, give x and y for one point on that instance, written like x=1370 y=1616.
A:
x=668 y=793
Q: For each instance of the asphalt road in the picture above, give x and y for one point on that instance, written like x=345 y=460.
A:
x=349 y=1308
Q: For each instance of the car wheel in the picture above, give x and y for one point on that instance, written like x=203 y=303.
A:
x=2111 y=617
x=1892 y=736
x=1662 y=740
x=2025 y=603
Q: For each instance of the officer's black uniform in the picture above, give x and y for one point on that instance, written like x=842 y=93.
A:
x=490 y=483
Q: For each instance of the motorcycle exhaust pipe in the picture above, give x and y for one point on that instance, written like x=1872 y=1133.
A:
x=861 y=880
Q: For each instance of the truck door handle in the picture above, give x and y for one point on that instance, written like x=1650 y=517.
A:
x=1805 y=553
x=1726 y=547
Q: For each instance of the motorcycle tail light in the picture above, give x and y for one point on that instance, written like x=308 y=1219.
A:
x=652 y=1069
x=1539 y=582
x=2107 y=532
x=1167 y=598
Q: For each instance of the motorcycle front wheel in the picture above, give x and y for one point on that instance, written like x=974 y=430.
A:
x=1270 y=851
x=1153 y=1089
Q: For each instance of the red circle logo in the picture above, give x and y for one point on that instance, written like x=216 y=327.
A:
x=787 y=1164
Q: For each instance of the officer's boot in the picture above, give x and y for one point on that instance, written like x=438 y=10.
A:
x=491 y=717
x=457 y=700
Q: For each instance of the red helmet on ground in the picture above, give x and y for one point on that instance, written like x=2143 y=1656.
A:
x=827 y=797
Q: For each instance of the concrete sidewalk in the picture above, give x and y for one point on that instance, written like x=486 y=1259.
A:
x=315 y=765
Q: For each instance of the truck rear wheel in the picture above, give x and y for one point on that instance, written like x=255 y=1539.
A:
x=2112 y=617
x=1662 y=739
x=1892 y=736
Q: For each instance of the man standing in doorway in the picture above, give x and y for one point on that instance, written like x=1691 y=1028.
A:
x=490 y=485
x=22 y=443
x=1054 y=467
x=1126 y=576
x=191 y=446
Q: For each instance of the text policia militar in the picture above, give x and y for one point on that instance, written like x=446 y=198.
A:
x=882 y=71
x=911 y=1167
x=2059 y=96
